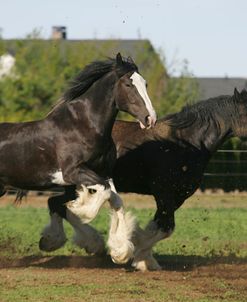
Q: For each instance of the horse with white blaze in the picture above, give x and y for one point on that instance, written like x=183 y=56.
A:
x=72 y=148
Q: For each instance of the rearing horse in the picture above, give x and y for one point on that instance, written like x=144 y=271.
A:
x=72 y=147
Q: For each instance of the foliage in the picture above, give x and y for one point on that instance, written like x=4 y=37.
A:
x=181 y=90
x=44 y=68
x=41 y=73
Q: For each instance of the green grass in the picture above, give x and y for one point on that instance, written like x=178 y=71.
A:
x=199 y=232
x=201 y=235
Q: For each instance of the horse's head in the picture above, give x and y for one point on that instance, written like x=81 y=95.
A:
x=240 y=121
x=131 y=93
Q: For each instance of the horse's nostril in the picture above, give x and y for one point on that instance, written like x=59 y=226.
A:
x=148 y=121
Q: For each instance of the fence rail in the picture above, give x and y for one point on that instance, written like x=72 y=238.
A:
x=232 y=151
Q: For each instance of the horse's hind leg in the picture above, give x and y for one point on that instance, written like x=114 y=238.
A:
x=160 y=228
x=144 y=240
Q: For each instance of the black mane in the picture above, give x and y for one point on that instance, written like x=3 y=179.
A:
x=203 y=111
x=92 y=73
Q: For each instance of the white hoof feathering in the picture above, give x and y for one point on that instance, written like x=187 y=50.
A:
x=90 y=199
x=121 y=231
x=144 y=241
x=53 y=236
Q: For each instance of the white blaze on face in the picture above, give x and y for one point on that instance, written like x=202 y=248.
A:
x=140 y=84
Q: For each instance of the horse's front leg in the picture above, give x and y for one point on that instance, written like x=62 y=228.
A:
x=160 y=228
x=91 y=193
x=121 y=230
x=85 y=236
x=81 y=211
x=53 y=235
x=91 y=196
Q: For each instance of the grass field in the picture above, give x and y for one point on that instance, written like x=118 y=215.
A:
x=205 y=260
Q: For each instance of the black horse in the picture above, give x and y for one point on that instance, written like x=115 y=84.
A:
x=72 y=147
x=168 y=161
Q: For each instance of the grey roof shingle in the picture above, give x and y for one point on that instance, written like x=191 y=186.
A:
x=211 y=87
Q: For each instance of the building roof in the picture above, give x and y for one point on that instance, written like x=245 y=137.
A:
x=128 y=47
x=106 y=47
x=211 y=87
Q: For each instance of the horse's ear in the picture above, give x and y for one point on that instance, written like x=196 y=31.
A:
x=119 y=59
x=244 y=94
x=130 y=60
x=237 y=95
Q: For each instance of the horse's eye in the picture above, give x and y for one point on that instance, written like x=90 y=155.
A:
x=128 y=85
x=92 y=191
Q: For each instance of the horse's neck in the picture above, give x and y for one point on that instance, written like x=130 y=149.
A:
x=209 y=136
x=100 y=100
x=95 y=109
x=129 y=135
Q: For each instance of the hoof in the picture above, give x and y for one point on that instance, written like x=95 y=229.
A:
x=48 y=244
x=98 y=250
x=122 y=254
x=148 y=264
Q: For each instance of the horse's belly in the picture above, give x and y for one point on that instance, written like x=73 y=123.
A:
x=21 y=168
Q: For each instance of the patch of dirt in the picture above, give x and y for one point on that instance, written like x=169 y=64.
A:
x=193 y=279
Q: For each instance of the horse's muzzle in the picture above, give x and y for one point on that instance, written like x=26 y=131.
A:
x=150 y=121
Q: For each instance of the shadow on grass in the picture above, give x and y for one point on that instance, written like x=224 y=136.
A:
x=189 y=262
x=168 y=262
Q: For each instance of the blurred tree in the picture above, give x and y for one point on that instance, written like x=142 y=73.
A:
x=44 y=67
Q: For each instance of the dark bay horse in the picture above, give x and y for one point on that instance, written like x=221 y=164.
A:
x=168 y=161
x=72 y=147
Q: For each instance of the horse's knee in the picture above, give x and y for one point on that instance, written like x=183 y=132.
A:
x=88 y=202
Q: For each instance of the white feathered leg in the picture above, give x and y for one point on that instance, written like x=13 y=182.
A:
x=83 y=210
x=121 y=230
x=144 y=240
